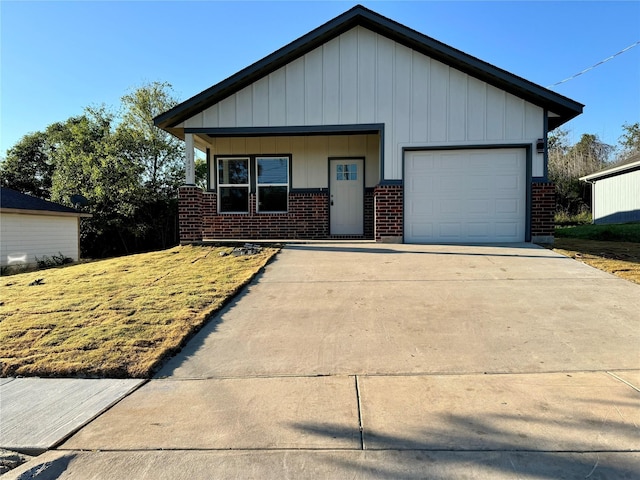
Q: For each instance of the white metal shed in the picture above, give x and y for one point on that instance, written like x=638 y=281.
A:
x=616 y=193
x=31 y=227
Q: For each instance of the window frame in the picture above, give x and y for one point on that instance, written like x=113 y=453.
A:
x=286 y=184
x=220 y=185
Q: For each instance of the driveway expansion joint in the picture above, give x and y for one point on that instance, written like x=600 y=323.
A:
x=360 y=423
x=623 y=381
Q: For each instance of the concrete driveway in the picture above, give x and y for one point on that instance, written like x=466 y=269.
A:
x=391 y=361
x=410 y=309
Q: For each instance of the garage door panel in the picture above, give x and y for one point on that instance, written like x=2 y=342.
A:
x=506 y=229
x=422 y=230
x=507 y=206
x=465 y=196
x=422 y=209
x=452 y=206
x=478 y=207
x=480 y=183
x=450 y=230
x=478 y=230
x=506 y=183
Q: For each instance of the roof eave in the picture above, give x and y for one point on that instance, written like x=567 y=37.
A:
x=52 y=213
x=257 y=70
x=564 y=107
x=611 y=172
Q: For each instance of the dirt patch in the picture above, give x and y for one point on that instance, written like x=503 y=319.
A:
x=619 y=258
x=10 y=460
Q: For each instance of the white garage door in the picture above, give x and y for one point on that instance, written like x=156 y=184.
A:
x=465 y=196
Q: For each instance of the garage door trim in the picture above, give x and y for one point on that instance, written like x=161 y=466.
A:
x=528 y=176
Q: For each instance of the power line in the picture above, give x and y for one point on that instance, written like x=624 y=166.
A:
x=596 y=65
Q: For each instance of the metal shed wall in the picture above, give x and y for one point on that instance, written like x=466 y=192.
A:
x=617 y=199
x=31 y=236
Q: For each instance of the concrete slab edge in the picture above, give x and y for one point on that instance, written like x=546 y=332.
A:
x=624 y=381
x=91 y=419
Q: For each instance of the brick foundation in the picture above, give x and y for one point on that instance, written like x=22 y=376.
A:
x=307 y=218
x=388 y=206
x=543 y=206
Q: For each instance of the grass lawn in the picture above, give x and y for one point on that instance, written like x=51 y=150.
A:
x=625 y=232
x=115 y=318
x=612 y=248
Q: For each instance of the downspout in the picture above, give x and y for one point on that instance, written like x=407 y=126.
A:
x=593 y=203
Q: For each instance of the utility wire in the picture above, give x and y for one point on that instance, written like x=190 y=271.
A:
x=596 y=65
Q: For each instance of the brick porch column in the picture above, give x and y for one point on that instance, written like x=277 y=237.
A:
x=543 y=207
x=190 y=214
x=388 y=205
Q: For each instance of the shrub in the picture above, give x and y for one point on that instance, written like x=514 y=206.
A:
x=564 y=218
x=53 y=261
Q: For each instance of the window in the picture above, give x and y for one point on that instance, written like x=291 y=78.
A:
x=272 y=183
x=233 y=185
x=347 y=171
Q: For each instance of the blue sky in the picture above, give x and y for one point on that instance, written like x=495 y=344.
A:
x=59 y=57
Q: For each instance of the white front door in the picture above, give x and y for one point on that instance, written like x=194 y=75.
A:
x=346 y=196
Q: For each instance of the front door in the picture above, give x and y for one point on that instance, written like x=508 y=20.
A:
x=346 y=196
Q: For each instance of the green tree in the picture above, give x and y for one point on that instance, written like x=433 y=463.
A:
x=630 y=141
x=156 y=151
x=28 y=167
x=567 y=163
x=159 y=155
x=90 y=160
x=128 y=169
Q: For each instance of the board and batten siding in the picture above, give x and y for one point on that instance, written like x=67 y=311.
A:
x=37 y=235
x=361 y=77
x=310 y=155
x=617 y=199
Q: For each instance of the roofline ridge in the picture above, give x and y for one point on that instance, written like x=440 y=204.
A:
x=389 y=28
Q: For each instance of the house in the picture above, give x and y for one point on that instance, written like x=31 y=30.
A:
x=615 y=193
x=366 y=129
x=31 y=227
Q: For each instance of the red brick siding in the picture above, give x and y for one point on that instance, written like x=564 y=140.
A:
x=388 y=211
x=369 y=220
x=190 y=214
x=543 y=206
x=308 y=217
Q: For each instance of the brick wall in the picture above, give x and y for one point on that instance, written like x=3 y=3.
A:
x=369 y=219
x=190 y=214
x=308 y=217
x=388 y=205
x=543 y=205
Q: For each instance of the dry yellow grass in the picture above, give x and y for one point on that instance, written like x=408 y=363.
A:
x=620 y=258
x=117 y=317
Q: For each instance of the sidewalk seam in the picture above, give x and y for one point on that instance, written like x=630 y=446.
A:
x=360 y=425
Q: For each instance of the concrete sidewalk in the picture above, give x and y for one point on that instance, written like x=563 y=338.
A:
x=38 y=413
x=401 y=361
x=578 y=425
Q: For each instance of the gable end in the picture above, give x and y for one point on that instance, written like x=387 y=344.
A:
x=563 y=107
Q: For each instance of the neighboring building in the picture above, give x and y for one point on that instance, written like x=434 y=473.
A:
x=364 y=128
x=31 y=227
x=615 y=193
